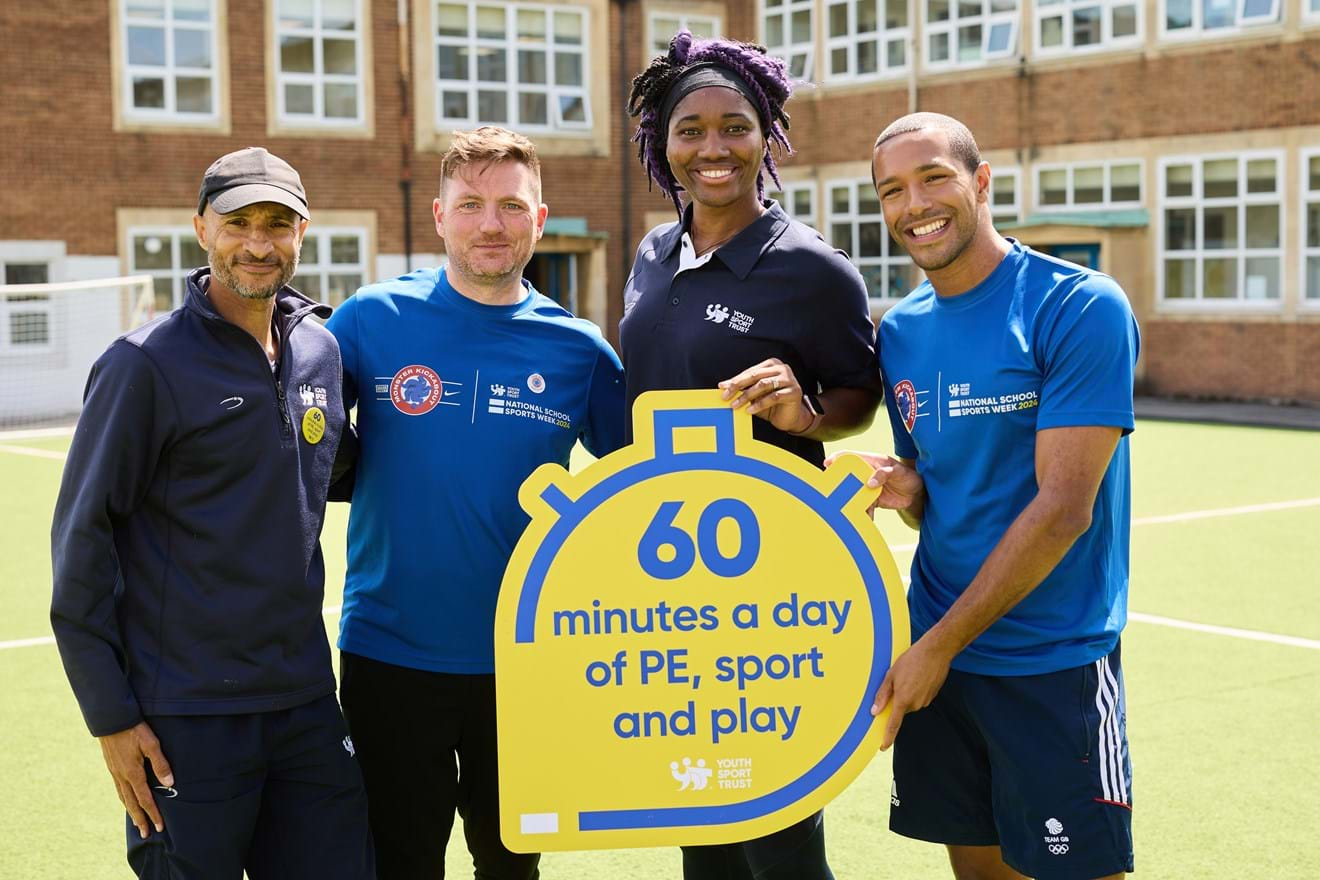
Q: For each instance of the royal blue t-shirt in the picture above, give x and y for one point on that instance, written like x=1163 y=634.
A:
x=457 y=403
x=969 y=380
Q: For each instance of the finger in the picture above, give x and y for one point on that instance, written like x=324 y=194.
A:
x=891 y=729
x=135 y=813
x=142 y=792
x=159 y=766
x=758 y=389
x=774 y=398
x=883 y=695
x=747 y=377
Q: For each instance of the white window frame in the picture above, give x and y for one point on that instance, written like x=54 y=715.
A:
x=787 y=195
x=950 y=26
x=787 y=49
x=512 y=86
x=685 y=20
x=1070 y=168
x=1199 y=253
x=1311 y=11
x=1002 y=213
x=323 y=268
x=1308 y=299
x=169 y=72
x=318 y=79
x=1197 y=30
x=13 y=252
x=893 y=256
x=178 y=274
x=1108 y=42
x=850 y=42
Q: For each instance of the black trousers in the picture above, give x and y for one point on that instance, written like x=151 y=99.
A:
x=426 y=745
x=793 y=853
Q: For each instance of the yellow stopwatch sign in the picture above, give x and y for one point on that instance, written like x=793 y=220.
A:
x=689 y=637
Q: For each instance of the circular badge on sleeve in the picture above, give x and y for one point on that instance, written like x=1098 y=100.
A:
x=313 y=425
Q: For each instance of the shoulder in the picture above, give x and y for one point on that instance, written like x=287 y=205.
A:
x=561 y=322
x=417 y=284
x=804 y=246
x=1065 y=287
x=914 y=305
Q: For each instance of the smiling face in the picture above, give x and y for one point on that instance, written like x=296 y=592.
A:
x=715 y=147
x=253 y=251
x=490 y=217
x=935 y=208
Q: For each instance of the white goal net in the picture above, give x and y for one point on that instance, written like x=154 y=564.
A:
x=50 y=334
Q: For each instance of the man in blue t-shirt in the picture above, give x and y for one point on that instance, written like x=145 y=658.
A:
x=1009 y=388
x=466 y=380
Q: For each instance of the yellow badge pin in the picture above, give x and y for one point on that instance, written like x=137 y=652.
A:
x=313 y=425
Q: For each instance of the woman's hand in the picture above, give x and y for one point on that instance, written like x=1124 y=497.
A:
x=771 y=391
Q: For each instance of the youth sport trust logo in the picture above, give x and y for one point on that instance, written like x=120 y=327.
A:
x=415 y=390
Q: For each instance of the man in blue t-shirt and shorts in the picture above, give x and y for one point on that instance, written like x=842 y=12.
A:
x=466 y=380
x=1009 y=387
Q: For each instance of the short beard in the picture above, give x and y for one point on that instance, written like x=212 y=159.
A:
x=223 y=271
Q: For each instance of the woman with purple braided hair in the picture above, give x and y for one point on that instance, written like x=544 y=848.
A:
x=735 y=295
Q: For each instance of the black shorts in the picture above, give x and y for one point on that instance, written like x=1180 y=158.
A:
x=1035 y=764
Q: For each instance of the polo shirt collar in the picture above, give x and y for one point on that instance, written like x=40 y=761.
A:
x=740 y=253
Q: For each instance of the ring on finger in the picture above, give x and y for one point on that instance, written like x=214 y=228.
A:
x=774 y=383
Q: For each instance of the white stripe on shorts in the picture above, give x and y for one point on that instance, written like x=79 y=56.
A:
x=1113 y=786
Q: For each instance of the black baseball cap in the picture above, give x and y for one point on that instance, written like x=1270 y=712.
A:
x=245 y=177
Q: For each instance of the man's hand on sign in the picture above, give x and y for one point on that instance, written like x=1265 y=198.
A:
x=124 y=753
x=901 y=487
x=911 y=683
x=771 y=391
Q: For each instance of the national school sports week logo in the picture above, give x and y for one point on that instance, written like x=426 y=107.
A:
x=909 y=402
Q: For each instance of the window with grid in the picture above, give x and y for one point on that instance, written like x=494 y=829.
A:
x=512 y=64
x=167 y=255
x=1089 y=186
x=1190 y=18
x=964 y=33
x=1006 y=194
x=1311 y=227
x=857 y=227
x=866 y=39
x=169 y=54
x=798 y=201
x=663 y=25
x=1221 y=228
x=319 y=74
x=333 y=264
x=25 y=318
x=1064 y=26
x=1311 y=10
x=789 y=33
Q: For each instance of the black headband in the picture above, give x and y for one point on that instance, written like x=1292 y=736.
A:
x=703 y=75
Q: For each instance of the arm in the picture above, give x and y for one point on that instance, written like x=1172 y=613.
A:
x=1070 y=463
x=901 y=487
x=771 y=391
x=607 y=412
x=343 y=475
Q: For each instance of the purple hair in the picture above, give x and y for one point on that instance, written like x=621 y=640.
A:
x=765 y=74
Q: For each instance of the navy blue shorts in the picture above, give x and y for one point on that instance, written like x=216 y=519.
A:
x=1037 y=765
x=276 y=794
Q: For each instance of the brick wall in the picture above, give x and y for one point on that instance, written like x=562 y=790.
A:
x=1233 y=360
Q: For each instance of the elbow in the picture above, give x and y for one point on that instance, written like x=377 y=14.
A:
x=1071 y=522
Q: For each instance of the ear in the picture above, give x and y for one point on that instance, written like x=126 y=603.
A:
x=542 y=212
x=983 y=182
x=438 y=211
x=199 y=228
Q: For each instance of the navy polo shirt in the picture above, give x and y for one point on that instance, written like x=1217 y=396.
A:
x=776 y=289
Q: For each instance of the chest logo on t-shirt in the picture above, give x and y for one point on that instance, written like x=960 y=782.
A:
x=966 y=401
x=507 y=400
x=415 y=390
x=718 y=313
x=909 y=402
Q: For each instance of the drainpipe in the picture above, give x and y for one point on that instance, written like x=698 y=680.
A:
x=914 y=55
x=625 y=150
x=405 y=129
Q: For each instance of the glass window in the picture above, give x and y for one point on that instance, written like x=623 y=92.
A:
x=319 y=69
x=167 y=254
x=1189 y=18
x=866 y=39
x=169 y=51
x=857 y=227
x=1005 y=194
x=519 y=65
x=1311 y=226
x=1089 y=185
x=798 y=201
x=1089 y=25
x=789 y=31
x=663 y=26
x=1221 y=233
x=333 y=264
x=969 y=32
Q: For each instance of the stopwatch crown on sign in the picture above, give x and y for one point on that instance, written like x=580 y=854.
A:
x=689 y=636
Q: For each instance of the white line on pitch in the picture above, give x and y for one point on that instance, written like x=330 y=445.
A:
x=1232 y=632
x=35 y=453
x=33 y=433
x=1227 y=511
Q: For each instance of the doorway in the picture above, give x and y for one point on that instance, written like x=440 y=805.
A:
x=555 y=275
x=1086 y=255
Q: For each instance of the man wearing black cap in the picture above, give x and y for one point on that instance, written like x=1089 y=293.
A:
x=187 y=564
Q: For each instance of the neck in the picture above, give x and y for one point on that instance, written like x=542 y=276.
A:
x=712 y=226
x=981 y=257
x=253 y=315
x=503 y=291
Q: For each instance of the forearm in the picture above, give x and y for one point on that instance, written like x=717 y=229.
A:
x=1032 y=546
x=912 y=514
x=847 y=411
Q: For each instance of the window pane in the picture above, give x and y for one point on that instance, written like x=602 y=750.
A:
x=868 y=19
x=903 y=279
x=148 y=93
x=568 y=69
x=1313 y=277
x=1003 y=5
x=568 y=28
x=867 y=60
x=145 y=8
x=1089 y=185
x=192 y=48
x=1220 y=279
x=1220 y=228
x=663 y=28
x=452 y=62
x=871 y=239
x=1125 y=183
x=1261 y=176
x=1177 y=14
x=492 y=106
x=937 y=10
x=345 y=249
x=164 y=291
x=533 y=108
x=572 y=109
x=340 y=56
x=310 y=285
x=1217 y=13
x=193 y=94
x=939 y=47
x=1262 y=226
x=341 y=100
x=26 y=273
x=797 y=65
x=151 y=252
x=451 y=20
x=490 y=22
x=969 y=43
x=839 y=203
x=341 y=287
x=839 y=60
x=297 y=55
x=297 y=13
x=1180 y=229
x=774 y=30
x=1179 y=279
x=29 y=328
x=968 y=8
x=1124 y=21
x=1051 y=32
x=1000 y=35
x=1054 y=187
x=839 y=20
x=1313 y=225
x=1220 y=179
x=868 y=203
x=299 y=98
x=801 y=29
x=338 y=15
x=1086 y=26
x=841 y=236
x=491 y=66
x=802 y=203
x=192 y=10
x=897 y=56
x=532 y=25
x=1313 y=177
x=1003 y=191
x=1262 y=280
x=454 y=105
x=311 y=252
x=702 y=29
x=896 y=13
x=1178 y=181
x=146 y=45
x=191 y=254
x=531 y=67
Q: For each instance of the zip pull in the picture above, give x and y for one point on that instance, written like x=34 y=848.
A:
x=284 y=407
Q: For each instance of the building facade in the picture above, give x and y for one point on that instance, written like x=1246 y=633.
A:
x=1174 y=144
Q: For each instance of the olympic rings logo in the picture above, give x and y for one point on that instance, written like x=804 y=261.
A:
x=1058 y=849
